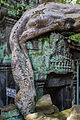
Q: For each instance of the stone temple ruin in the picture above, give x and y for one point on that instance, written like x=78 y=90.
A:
x=49 y=62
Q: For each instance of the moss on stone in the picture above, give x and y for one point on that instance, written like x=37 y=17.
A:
x=4 y=57
x=47 y=57
x=7 y=59
x=57 y=116
x=62 y=115
x=2 y=48
x=11 y=112
x=8 y=108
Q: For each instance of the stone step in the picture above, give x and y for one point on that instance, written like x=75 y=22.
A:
x=75 y=113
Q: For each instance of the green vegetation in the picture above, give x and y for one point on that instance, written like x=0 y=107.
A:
x=16 y=10
x=70 y=1
x=75 y=38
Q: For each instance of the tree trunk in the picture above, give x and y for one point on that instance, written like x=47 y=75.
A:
x=42 y=19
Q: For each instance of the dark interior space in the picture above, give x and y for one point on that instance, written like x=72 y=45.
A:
x=60 y=89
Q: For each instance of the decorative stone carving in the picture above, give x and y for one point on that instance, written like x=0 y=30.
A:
x=42 y=19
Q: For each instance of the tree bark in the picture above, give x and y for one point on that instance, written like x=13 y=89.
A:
x=42 y=19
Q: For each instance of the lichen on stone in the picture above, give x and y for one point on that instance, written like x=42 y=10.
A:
x=4 y=56
x=50 y=56
x=61 y=115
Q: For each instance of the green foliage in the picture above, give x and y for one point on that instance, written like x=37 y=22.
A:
x=70 y=1
x=16 y=9
x=78 y=2
x=75 y=38
x=62 y=1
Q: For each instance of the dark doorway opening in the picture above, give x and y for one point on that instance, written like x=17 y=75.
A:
x=60 y=88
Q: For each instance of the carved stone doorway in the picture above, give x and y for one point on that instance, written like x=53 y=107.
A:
x=60 y=88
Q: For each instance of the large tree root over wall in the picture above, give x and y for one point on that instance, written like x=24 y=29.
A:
x=44 y=18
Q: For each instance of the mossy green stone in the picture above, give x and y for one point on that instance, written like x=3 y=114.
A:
x=48 y=53
x=62 y=115
x=3 y=57
x=10 y=114
x=15 y=118
x=2 y=48
x=7 y=59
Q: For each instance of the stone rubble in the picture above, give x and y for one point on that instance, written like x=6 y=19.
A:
x=11 y=112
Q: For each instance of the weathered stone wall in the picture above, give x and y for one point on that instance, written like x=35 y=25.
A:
x=5 y=29
x=42 y=52
x=47 y=54
x=6 y=77
x=11 y=112
x=50 y=54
